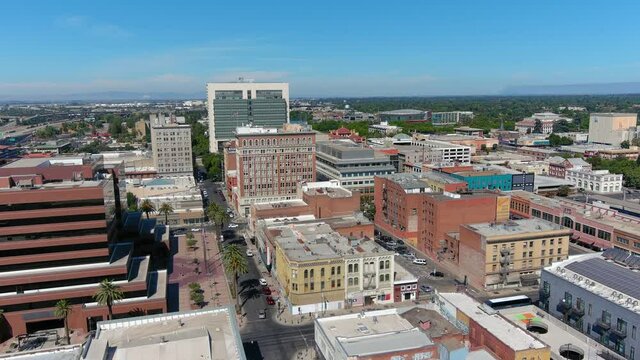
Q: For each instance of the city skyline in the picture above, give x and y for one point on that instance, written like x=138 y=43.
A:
x=459 y=48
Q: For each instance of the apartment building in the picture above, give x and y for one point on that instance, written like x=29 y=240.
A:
x=509 y=254
x=612 y=128
x=351 y=164
x=232 y=105
x=475 y=143
x=269 y=164
x=598 y=181
x=597 y=295
x=397 y=200
x=171 y=146
x=537 y=153
x=450 y=117
x=320 y=270
x=57 y=242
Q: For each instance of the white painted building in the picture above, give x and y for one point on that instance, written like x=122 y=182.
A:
x=442 y=152
x=598 y=181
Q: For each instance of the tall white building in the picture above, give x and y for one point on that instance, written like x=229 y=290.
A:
x=171 y=146
x=612 y=128
x=234 y=104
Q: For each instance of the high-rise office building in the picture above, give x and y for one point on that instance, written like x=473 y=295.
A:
x=231 y=105
x=171 y=145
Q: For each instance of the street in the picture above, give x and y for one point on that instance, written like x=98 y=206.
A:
x=275 y=340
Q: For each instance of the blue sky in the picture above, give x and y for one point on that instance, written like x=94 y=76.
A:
x=322 y=48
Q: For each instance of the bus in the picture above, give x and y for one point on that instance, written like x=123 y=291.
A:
x=510 y=301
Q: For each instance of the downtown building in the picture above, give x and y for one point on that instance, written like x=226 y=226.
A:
x=269 y=164
x=171 y=146
x=353 y=165
x=58 y=224
x=598 y=295
x=235 y=104
x=612 y=128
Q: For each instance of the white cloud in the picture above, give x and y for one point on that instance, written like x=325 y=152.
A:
x=84 y=24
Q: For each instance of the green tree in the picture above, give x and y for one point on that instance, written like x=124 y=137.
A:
x=63 y=310
x=537 y=127
x=562 y=126
x=132 y=202
x=236 y=263
x=147 y=207
x=191 y=241
x=563 y=191
x=220 y=218
x=368 y=207
x=107 y=294
x=165 y=209
x=625 y=144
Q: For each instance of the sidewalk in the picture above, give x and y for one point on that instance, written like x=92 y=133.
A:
x=186 y=270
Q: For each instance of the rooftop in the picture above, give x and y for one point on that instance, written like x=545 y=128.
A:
x=279 y=204
x=514 y=337
x=407 y=181
x=612 y=275
x=316 y=240
x=402 y=112
x=373 y=332
x=430 y=322
x=202 y=334
x=557 y=334
x=467 y=128
x=441 y=177
x=516 y=227
x=614 y=114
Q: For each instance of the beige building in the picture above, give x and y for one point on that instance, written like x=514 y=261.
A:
x=509 y=254
x=612 y=128
x=171 y=146
x=318 y=269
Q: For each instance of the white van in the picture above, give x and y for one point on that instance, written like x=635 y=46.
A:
x=420 y=262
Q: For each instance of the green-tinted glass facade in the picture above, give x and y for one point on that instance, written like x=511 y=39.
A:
x=269 y=109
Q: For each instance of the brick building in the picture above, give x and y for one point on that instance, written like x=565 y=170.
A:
x=558 y=166
x=57 y=242
x=270 y=164
x=397 y=198
x=444 y=213
x=508 y=254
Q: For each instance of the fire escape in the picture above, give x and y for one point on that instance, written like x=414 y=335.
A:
x=505 y=265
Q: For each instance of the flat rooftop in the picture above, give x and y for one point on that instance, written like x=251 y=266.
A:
x=372 y=332
x=430 y=322
x=316 y=240
x=556 y=335
x=542 y=181
x=332 y=192
x=407 y=181
x=516 y=227
x=510 y=334
x=285 y=204
x=441 y=177
x=202 y=334
x=402 y=112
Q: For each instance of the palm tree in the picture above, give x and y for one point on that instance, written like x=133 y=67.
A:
x=165 y=209
x=147 y=207
x=63 y=309
x=235 y=262
x=107 y=294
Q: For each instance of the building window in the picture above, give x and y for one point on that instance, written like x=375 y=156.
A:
x=606 y=317
x=306 y=274
x=381 y=265
x=633 y=332
x=311 y=286
x=350 y=281
x=333 y=284
x=321 y=272
x=339 y=282
x=355 y=268
x=321 y=285
x=350 y=268
x=381 y=277
x=338 y=272
x=387 y=264
x=311 y=273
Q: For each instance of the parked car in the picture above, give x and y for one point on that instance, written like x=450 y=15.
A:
x=399 y=242
x=242 y=240
x=420 y=262
x=262 y=314
x=392 y=243
x=270 y=300
x=266 y=291
x=426 y=288
x=232 y=226
x=409 y=256
x=249 y=253
x=195 y=229
x=262 y=281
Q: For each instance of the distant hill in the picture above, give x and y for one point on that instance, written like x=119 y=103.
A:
x=575 y=89
x=104 y=96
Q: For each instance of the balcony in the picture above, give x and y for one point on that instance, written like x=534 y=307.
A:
x=563 y=306
x=600 y=327
x=576 y=313
x=617 y=334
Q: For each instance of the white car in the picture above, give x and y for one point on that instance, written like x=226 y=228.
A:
x=262 y=282
x=420 y=261
x=232 y=226
x=195 y=230
x=249 y=253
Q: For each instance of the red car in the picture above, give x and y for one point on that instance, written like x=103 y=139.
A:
x=270 y=300
x=266 y=291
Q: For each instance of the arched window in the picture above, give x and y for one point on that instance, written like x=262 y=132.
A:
x=355 y=281
x=350 y=268
x=387 y=264
x=355 y=267
x=322 y=272
x=350 y=282
x=311 y=273
x=306 y=274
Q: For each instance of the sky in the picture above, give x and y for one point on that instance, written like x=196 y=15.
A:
x=322 y=48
